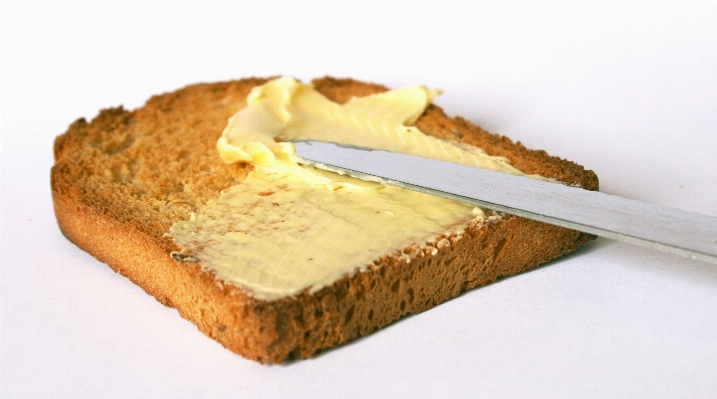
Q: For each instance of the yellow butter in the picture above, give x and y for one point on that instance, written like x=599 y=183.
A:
x=284 y=109
x=275 y=235
x=289 y=228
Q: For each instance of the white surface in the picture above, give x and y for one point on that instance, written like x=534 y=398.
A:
x=628 y=90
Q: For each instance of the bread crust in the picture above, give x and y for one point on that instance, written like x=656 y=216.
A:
x=121 y=181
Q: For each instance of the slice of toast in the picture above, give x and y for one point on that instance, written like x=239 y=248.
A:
x=121 y=181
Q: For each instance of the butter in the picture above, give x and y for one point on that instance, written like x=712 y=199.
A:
x=289 y=228
x=284 y=109
x=275 y=235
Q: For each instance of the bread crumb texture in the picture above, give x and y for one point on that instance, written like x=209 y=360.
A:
x=122 y=180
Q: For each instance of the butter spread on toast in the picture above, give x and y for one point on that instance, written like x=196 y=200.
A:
x=289 y=228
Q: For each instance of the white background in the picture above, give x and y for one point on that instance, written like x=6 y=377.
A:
x=628 y=90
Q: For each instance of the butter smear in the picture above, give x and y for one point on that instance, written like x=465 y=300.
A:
x=289 y=228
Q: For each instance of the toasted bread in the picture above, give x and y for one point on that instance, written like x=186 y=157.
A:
x=122 y=180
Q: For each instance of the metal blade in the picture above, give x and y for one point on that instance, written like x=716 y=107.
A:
x=671 y=230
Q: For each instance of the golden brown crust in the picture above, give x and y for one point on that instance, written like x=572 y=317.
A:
x=122 y=180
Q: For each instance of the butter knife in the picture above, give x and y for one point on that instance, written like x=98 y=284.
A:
x=667 y=229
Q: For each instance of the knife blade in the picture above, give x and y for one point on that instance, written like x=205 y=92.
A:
x=667 y=229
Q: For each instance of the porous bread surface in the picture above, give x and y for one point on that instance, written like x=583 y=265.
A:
x=120 y=181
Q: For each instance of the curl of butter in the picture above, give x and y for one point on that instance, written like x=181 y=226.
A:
x=285 y=109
